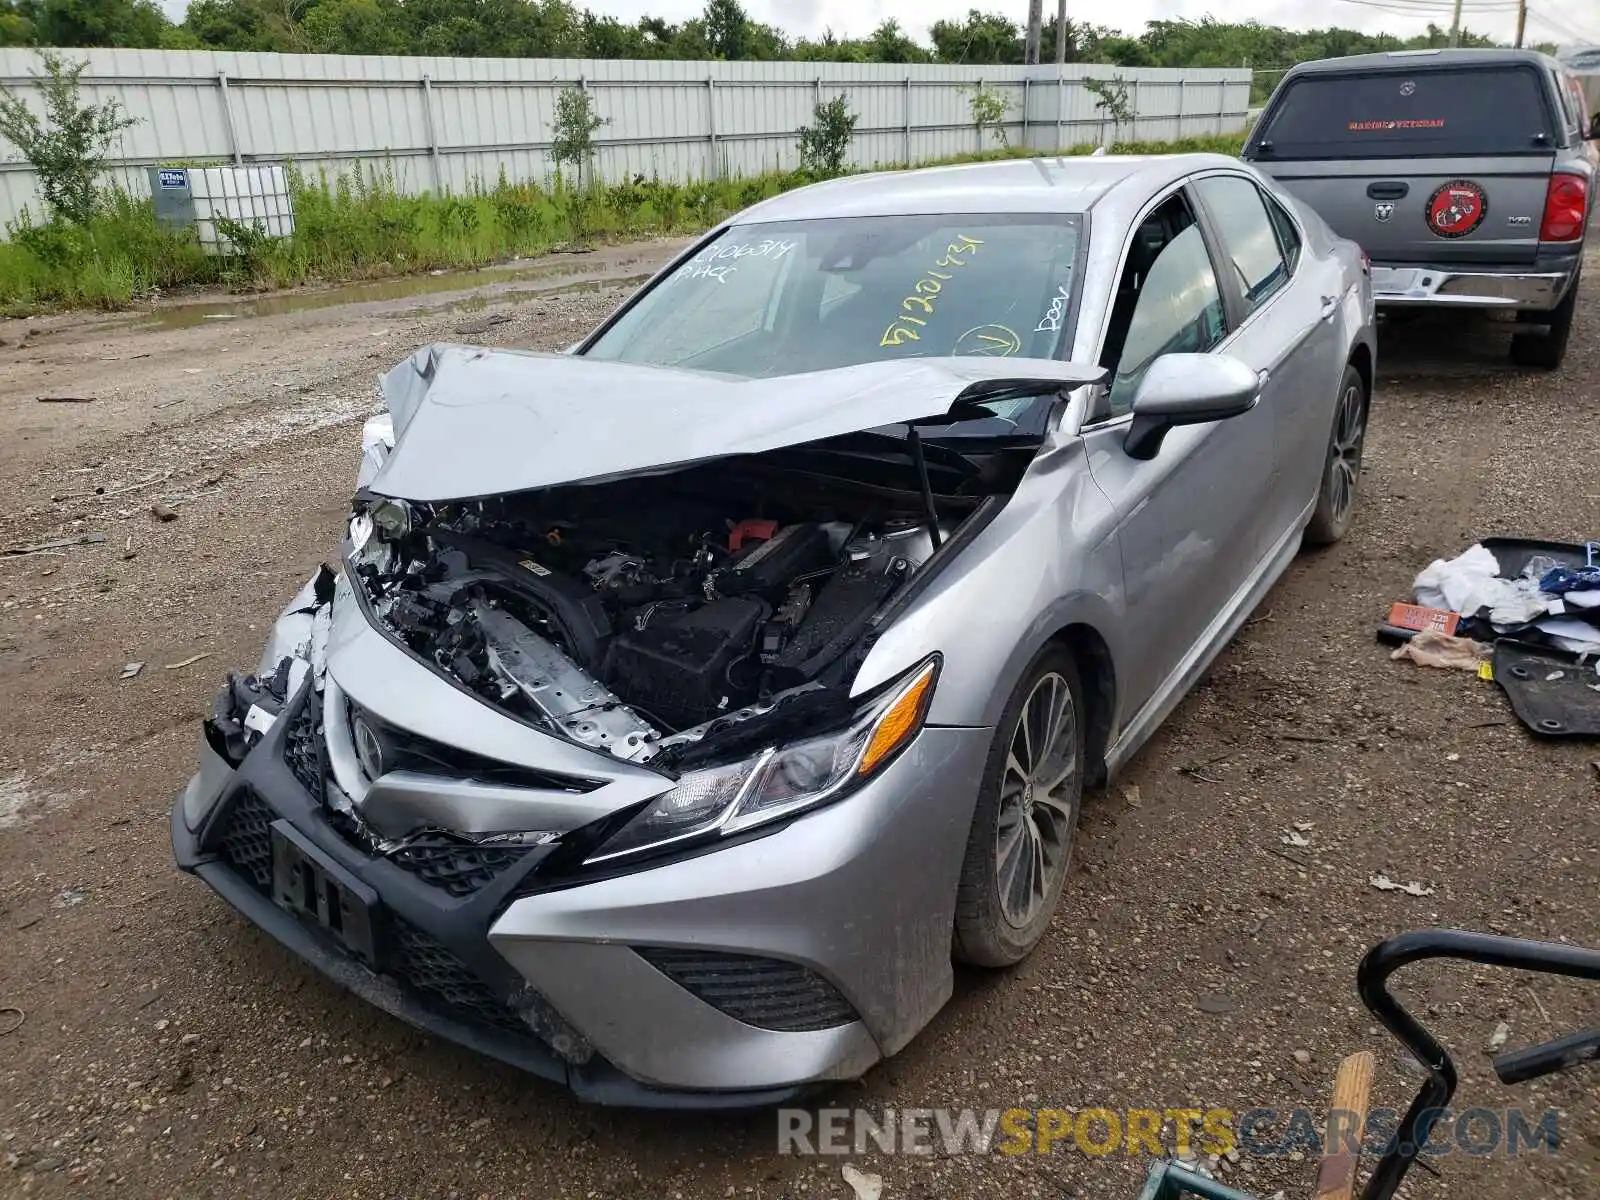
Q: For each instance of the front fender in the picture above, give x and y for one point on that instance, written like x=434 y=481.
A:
x=1048 y=560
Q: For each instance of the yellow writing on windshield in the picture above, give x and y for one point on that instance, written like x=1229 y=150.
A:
x=916 y=308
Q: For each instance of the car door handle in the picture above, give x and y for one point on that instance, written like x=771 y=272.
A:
x=1330 y=305
x=1388 y=190
x=1262 y=377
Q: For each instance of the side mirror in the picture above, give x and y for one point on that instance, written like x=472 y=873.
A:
x=1187 y=389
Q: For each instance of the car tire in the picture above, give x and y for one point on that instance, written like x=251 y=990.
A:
x=1546 y=350
x=1341 y=468
x=1019 y=849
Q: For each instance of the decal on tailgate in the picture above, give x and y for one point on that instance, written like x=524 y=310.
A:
x=1457 y=208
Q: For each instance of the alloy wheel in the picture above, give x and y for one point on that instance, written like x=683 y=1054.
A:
x=1038 y=802
x=1344 y=452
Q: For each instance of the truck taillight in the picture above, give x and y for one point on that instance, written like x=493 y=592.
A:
x=1566 y=206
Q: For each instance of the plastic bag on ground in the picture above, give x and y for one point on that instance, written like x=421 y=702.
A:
x=1431 y=648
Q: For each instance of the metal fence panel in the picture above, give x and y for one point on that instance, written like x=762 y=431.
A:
x=454 y=124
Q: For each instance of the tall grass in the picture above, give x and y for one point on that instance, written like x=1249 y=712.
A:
x=360 y=226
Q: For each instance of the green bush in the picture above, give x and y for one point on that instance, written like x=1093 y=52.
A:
x=360 y=226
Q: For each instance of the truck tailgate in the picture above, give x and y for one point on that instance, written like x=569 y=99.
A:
x=1466 y=210
x=1423 y=161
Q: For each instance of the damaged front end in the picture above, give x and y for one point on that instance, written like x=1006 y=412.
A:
x=509 y=707
x=657 y=622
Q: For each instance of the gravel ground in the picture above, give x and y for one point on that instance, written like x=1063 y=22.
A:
x=1197 y=959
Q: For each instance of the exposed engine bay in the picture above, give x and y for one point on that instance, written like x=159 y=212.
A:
x=629 y=616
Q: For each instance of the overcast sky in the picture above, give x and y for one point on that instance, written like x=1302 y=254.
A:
x=853 y=18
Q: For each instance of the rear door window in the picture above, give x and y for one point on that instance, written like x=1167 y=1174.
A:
x=1398 y=114
x=1249 y=242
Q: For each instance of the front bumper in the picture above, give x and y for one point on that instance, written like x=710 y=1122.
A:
x=1451 y=287
x=735 y=978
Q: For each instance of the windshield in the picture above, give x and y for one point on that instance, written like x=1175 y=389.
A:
x=783 y=298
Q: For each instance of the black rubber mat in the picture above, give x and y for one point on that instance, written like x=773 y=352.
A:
x=1551 y=692
x=1515 y=553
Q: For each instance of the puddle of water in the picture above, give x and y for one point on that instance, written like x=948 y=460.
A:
x=499 y=284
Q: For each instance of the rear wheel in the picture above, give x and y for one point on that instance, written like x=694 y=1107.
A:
x=1341 y=472
x=1020 y=845
x=1546 y=350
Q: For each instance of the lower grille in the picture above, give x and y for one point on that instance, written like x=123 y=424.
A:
x=426 y=964
x=246 y=843
x=458 y=868
x=303 y=747
x=765 y=992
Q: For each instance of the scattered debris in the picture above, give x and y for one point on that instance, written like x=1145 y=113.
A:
x=131 y=669
x=1197 y=770
x=1217 y=1004
x=1411 y=1066
x=1498 y=1038
x=1305 y=737
x=1539 y=1004
x=87 y=539
x=161 y=512
x=69 y=897
x=7 y=1012
x=1384 y=884
x=67 y=399
x=1302 y=1057
x=482 y=325
x=865 y=1186
x=106 y=494
x=1130 y=793
x=188 y=662
x=1433 y=649
x=1295 y=838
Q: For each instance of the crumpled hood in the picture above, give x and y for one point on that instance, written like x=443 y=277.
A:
x=472 y=422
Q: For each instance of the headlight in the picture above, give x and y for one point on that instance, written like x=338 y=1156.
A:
x=781 y=780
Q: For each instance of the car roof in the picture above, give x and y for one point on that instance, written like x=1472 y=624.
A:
x=1061 y=184
x=1395 y=60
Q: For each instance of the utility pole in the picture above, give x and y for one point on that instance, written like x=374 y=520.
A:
x=1030 y=47
x=1522 y=20
x=1061 y=31
x=1455 y=24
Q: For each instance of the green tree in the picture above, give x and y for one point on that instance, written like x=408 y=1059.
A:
x=356 y=27
x=16 y=26
x=890 y=44
x=68 y=148
x=988 y=108
x=727 y=29
x=981 y=38
x=266 y=26
x=825 y=146
x=572 y=135
x=137 y=23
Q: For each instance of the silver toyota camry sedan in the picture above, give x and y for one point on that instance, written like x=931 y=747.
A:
x=685 y=704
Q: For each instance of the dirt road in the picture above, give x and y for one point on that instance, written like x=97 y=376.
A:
x=168 y=1049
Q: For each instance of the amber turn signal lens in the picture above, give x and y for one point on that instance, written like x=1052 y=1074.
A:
x=899 y=721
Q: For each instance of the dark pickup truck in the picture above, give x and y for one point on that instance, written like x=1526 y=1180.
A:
x=1466 y=176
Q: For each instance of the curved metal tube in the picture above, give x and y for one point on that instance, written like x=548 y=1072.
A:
x=1387 y=957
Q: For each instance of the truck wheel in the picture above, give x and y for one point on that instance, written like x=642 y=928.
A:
x=1020 y=844
x=1341 y=471
x=1546 y=350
